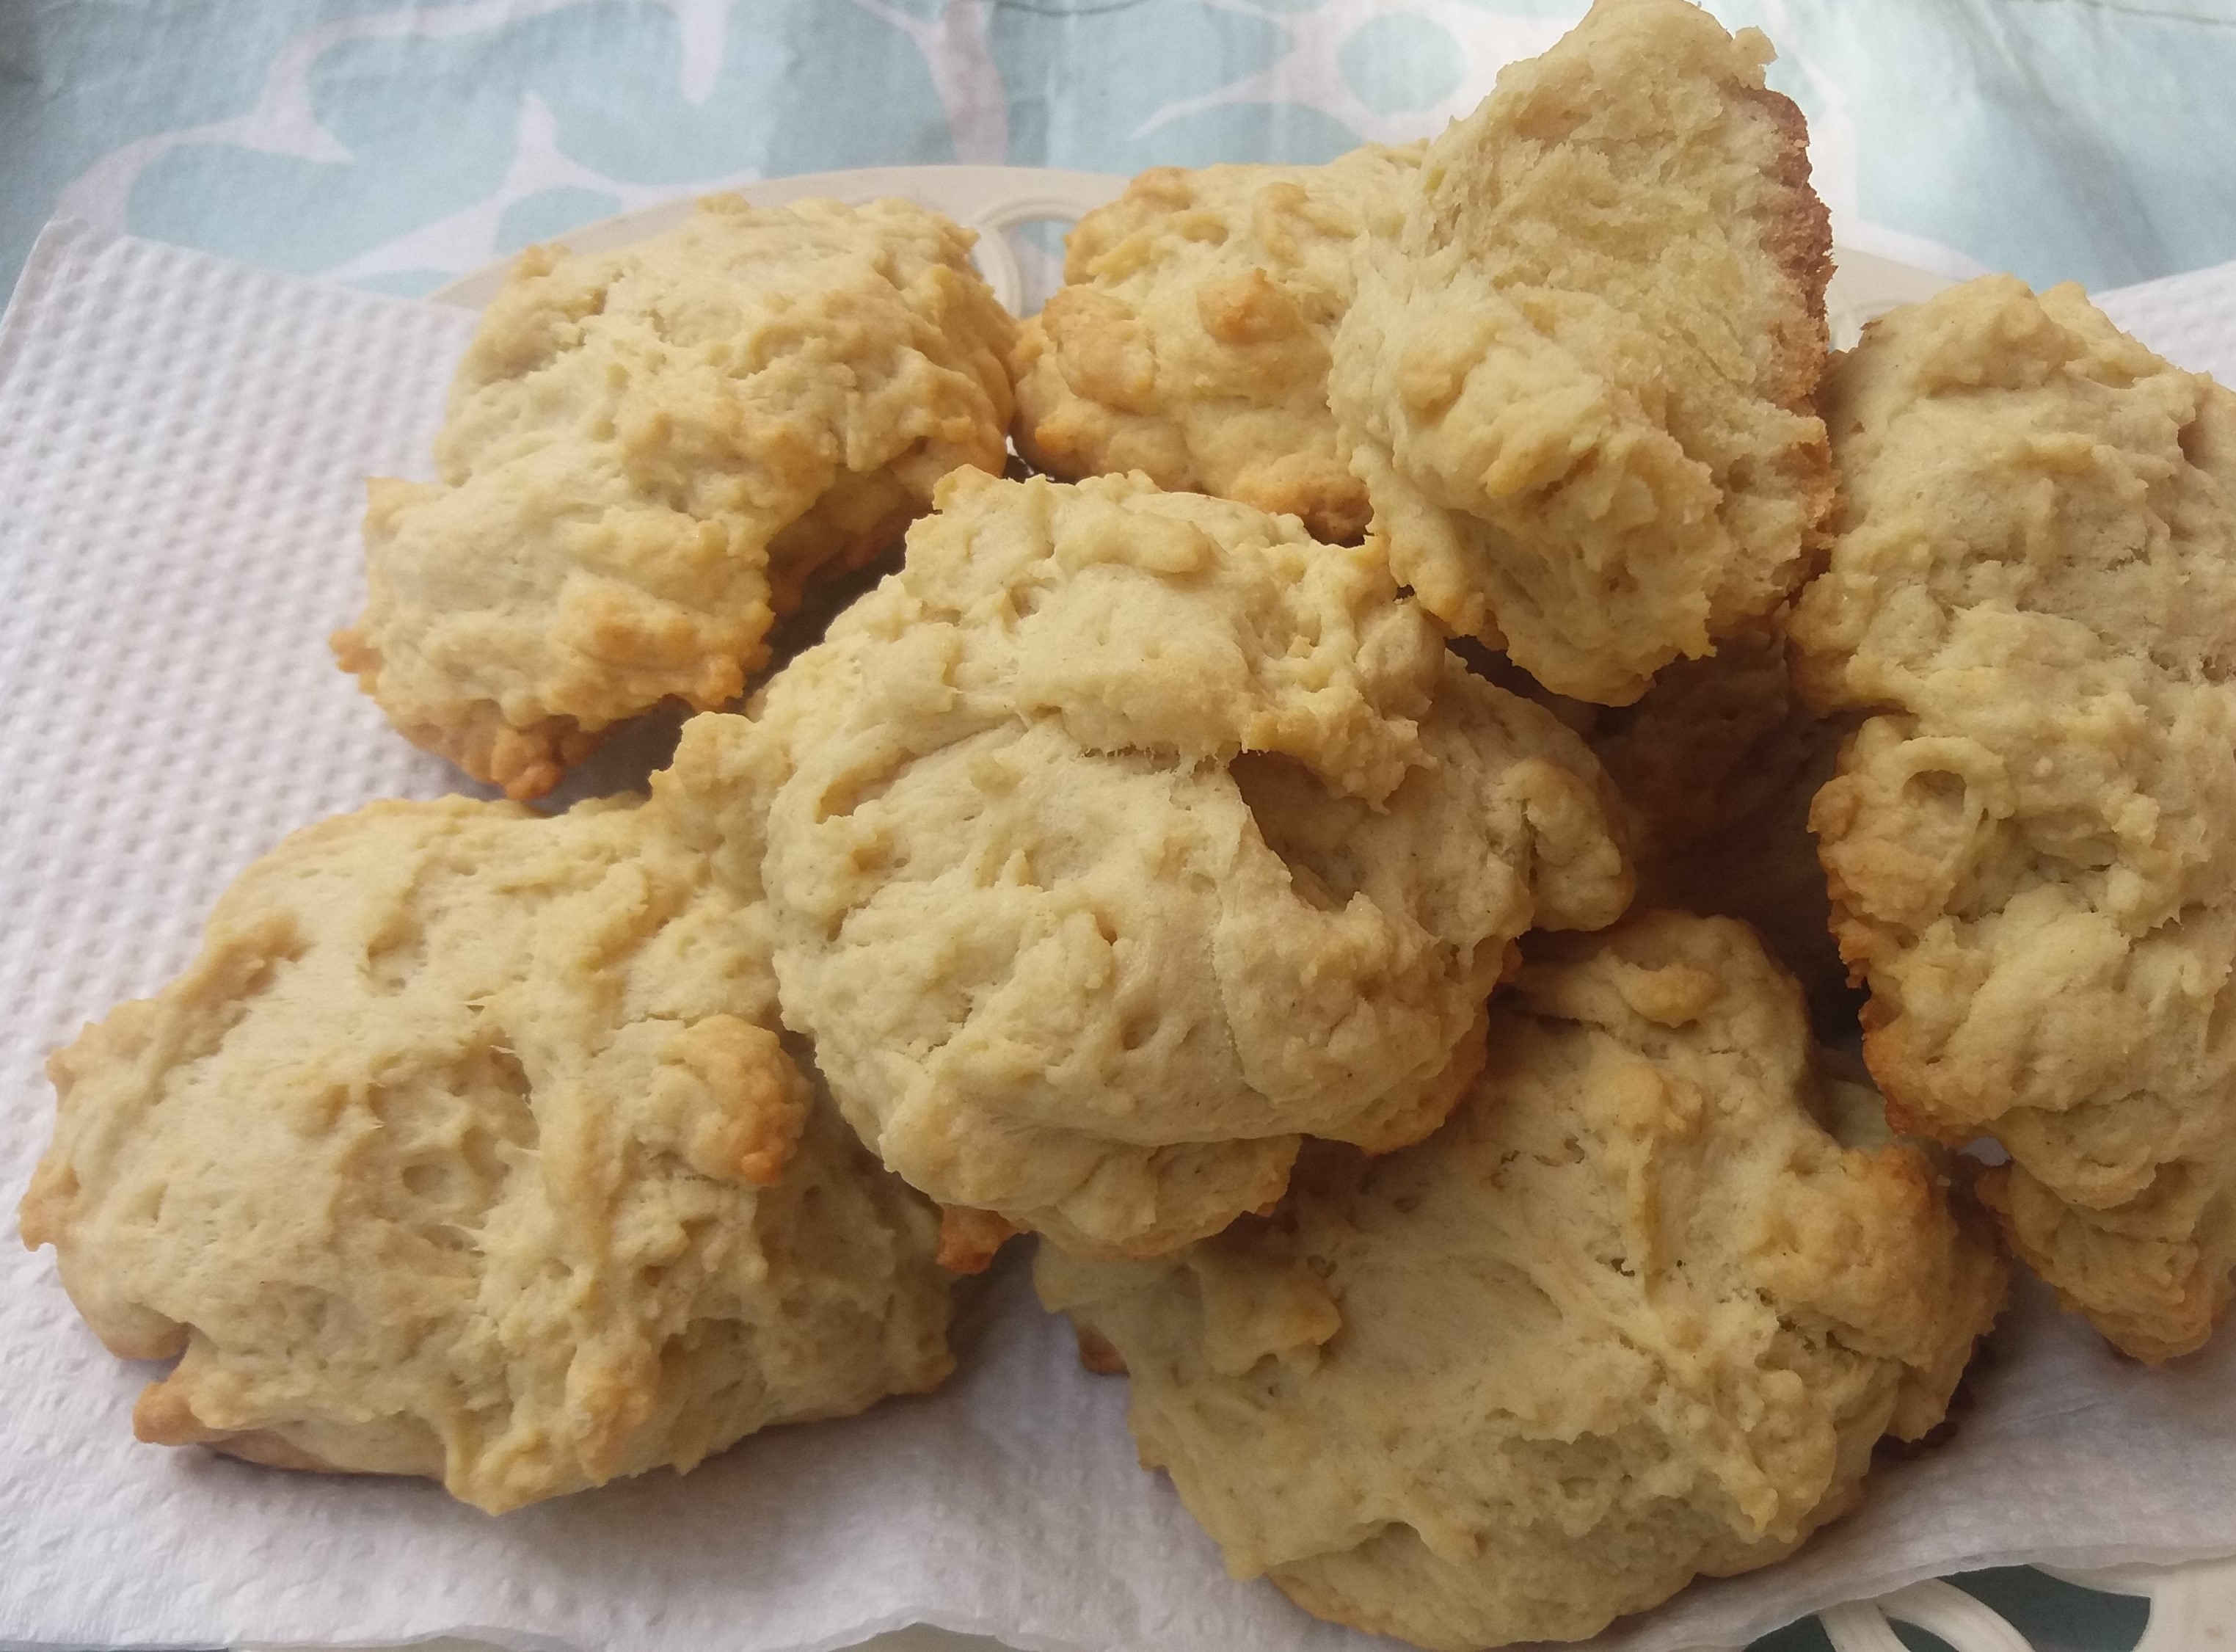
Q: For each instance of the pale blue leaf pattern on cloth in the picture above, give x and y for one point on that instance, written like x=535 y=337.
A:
x=1077 y=97
x=596 y=98
x=958 y=55
x=549 y=212
x=393 y=143
x=2059 y=139
x=1401 y=63
x=80 y=84
x=1310 y=72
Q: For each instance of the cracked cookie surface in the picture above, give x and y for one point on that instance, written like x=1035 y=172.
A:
x=2031 y=840
x=649 y=453
x=1578 y=383
x=1638 y=1312
x=1190 y=341
x=467 y=1147
x=1123 y=837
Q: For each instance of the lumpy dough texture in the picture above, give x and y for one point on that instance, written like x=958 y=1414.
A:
x=649 y=453
x=2032 y=845
x=1124 y=836
x=1578 y=384
x=466 y=1149
x=1191 y=341
x=1635 y=1314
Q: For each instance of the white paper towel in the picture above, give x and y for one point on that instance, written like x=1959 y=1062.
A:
x=182 y=444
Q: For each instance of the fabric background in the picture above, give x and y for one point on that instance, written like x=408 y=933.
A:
x=394 y=145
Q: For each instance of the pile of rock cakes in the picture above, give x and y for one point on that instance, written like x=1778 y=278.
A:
x=1369 y=843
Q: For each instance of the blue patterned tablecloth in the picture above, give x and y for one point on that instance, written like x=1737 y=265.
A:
x=393 y=145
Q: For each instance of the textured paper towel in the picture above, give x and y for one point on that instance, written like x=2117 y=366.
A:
x=182 y=448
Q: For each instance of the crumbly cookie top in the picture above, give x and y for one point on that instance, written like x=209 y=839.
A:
x=2032 y=845
x=649 y=453
x=1578 y=384
x=1123 y=836
x=1634 y=1312
x=1191 y=339
x=467 y=1147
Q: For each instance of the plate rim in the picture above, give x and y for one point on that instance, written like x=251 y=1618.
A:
x=991 y=199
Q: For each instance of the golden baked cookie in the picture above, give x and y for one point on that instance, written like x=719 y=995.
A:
x=649 y=453
x=1578 y=384
x=2032 y=841
x=1123 y=837
x=465 y=1149
x=1638 y=1312
x=1190 y=341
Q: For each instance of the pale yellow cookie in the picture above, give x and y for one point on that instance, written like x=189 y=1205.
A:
x=1638 y=1312
x=2032 y=842
x=1578 y=384
x=649 y=453
x=1124 y=837
x=467 y=1148
x=1190 y=341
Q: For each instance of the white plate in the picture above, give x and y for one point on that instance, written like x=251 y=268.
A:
x=990 y=199
x=997 y=200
